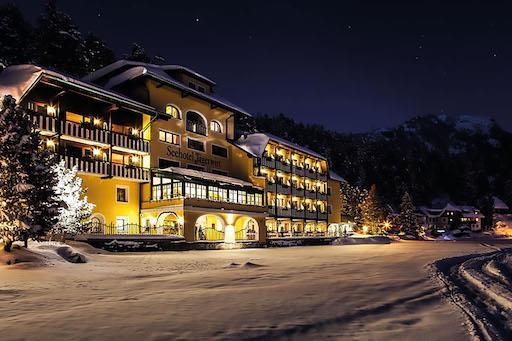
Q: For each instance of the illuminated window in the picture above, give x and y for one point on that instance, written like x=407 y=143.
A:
x=215 y=126
x=168 y=137
x=171 y=110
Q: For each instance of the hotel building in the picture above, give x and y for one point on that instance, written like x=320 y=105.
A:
x=161 y=154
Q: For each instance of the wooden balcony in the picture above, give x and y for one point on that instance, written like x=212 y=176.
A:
x=83 y=132
x=106 y=169
x=130 y=143
x=87 y=166
x=45 y=123
x=130 y=172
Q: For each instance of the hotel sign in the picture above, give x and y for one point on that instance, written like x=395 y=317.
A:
x=195 y=157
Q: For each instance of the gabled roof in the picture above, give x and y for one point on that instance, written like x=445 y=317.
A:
x=123 y=63
x=499 y=204
x=128 y=70
x=335 y=177
x=255 y=144
x=18 y=80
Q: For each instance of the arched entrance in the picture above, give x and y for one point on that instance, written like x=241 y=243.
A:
x=209 y=227
x=168 y=223
x=246 y=228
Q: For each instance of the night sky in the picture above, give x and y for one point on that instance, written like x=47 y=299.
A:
x=350 y=65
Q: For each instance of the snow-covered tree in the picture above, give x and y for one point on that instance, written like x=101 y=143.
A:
x=59 y=44
x=75 y=209
x=372 y=212
x=406 y=220
x=351 y=199
x=27 y=200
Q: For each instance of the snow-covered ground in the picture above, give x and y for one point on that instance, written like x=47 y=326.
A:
x=356 y=292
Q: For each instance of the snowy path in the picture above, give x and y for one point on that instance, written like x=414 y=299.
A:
x=480 y=285
x=356 y=292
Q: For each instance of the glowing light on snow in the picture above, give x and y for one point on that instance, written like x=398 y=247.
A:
x=135 y=159
x=50 y=144
x=229 y=234
x=135 y=132
x=97 y=122
x=96 y=152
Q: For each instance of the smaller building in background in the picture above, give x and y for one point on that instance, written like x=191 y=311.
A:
x=451 y=216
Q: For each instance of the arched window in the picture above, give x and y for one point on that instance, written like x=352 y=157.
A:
x=172 y=111
x=215 y=126
x=196 y=123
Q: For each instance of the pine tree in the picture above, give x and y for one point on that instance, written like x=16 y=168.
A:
x=351 y=199
x=407 y=219
x=75 y=208
x=15 y=36
x=97 y=54
x=138 y=54
x=27 y=200
x=372 y=213
x=59 y=44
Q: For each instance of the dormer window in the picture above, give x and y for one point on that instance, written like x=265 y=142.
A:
x=171 y=110
x=215 y=126
x=196 y=123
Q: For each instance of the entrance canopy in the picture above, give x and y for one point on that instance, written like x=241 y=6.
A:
x=221 y=179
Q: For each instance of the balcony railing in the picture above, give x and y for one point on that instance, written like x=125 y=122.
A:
x=311 y=194
x=283 y=212
x=284 y=189
x=297 y=213
x=298 y=171
x=296 y=234
x=130 y=142
x=268 y=162
x=322 y=176
x=311 y=214
x=87 y=166
x=83 y=132
x=89 y=132
x=45 y=122
x=130 y=172
x=106 y=169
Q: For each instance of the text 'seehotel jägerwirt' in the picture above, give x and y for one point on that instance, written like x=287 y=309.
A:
x=161 y=154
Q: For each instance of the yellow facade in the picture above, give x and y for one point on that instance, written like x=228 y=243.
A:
x=132 y=151
x=103 y=193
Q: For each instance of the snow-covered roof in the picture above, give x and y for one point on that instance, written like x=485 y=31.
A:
x=222 y=179
x=123 y=62
x=466 y=211
x=499 y=204
x=255 y=144
x=157 y=72
x=18 y=80
x=335 y=177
